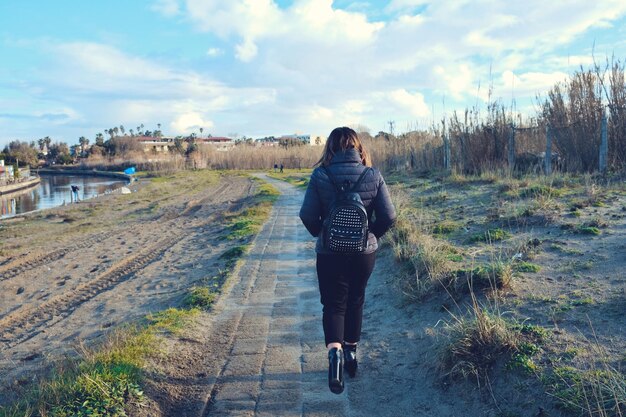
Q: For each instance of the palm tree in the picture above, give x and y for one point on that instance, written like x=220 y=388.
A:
x=99 y=139
x=201 y=130
x=41 y=143
x=122 y=130
x=83 y=142
x=116 y=130
x=132 y=132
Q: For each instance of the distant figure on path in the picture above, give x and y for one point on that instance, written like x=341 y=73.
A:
x=344 y=264
x=75 y=193
x=281 y=167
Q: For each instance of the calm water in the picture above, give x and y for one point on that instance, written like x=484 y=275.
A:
x=53 y=191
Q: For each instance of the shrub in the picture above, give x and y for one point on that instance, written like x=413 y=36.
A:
x=475 y=342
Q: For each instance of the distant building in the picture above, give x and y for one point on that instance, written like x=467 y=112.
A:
x=220 y=142
x=151 y=144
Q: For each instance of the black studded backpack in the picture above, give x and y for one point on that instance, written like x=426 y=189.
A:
x=345 y=229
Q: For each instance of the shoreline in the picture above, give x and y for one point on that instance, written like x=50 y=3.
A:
x=84 y=172
x=11 y=188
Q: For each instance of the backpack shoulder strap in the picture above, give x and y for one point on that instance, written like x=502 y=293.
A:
x=361 y=178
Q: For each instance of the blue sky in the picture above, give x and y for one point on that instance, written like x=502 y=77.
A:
x=267 y=67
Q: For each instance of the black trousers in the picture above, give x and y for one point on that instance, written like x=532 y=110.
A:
x=342 y=280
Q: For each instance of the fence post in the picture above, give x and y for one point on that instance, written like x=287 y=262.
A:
x=604 y=145
x=512 y=148
x=548 y=159
x=446 y=152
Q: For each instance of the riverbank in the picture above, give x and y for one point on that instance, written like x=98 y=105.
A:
x=85 y=172
x=18 y=186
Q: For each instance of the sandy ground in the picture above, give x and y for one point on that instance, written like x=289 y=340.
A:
x=260 y=351
x=134 y=258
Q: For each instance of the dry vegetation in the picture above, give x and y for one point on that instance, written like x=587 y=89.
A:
x=527 y=273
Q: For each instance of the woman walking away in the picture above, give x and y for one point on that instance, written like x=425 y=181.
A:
x=347 y=207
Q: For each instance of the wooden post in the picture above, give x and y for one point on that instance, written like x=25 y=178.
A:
x=446 y=152
x=512 y=148
x=548 y=159
x=604 y=145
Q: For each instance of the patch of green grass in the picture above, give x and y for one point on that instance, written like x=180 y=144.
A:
x=526 y=267
x=537 y=332
x=300 y=180
x=445 y=227
x=494 y=275
x=242 y=227
x=536 y=190
x=200 y=297
x=595 y=392
x=491 y=235
x=582 y=229
x=524 y=363
x=172 y=320
x=588 y=230
x=582 y=301
x=234 y=253
x=455 y=257
x=100 y=384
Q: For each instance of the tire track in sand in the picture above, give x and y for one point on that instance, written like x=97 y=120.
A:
x=28 y=321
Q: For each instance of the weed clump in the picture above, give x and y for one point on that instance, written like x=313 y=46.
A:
x=234 y=253
x=524 y=266
x=200 y=297
x=445 y=227
x=493 y=275
x=475 y=342
x=491 y=235
x=596 y=392
x=172 y=320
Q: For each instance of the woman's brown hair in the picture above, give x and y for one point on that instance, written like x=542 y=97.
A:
x=340 y=139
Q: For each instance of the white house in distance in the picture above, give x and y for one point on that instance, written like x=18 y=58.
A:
x=164 y=144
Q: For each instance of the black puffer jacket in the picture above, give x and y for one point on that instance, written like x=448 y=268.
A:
x=346 y=165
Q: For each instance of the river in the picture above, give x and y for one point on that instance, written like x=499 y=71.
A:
x=53 y=191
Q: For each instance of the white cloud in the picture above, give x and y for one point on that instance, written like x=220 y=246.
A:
x=529 y=83
x=246 y=51
x=167 y=8
x=412 y=104
x=187 y=123
x=214 y=52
